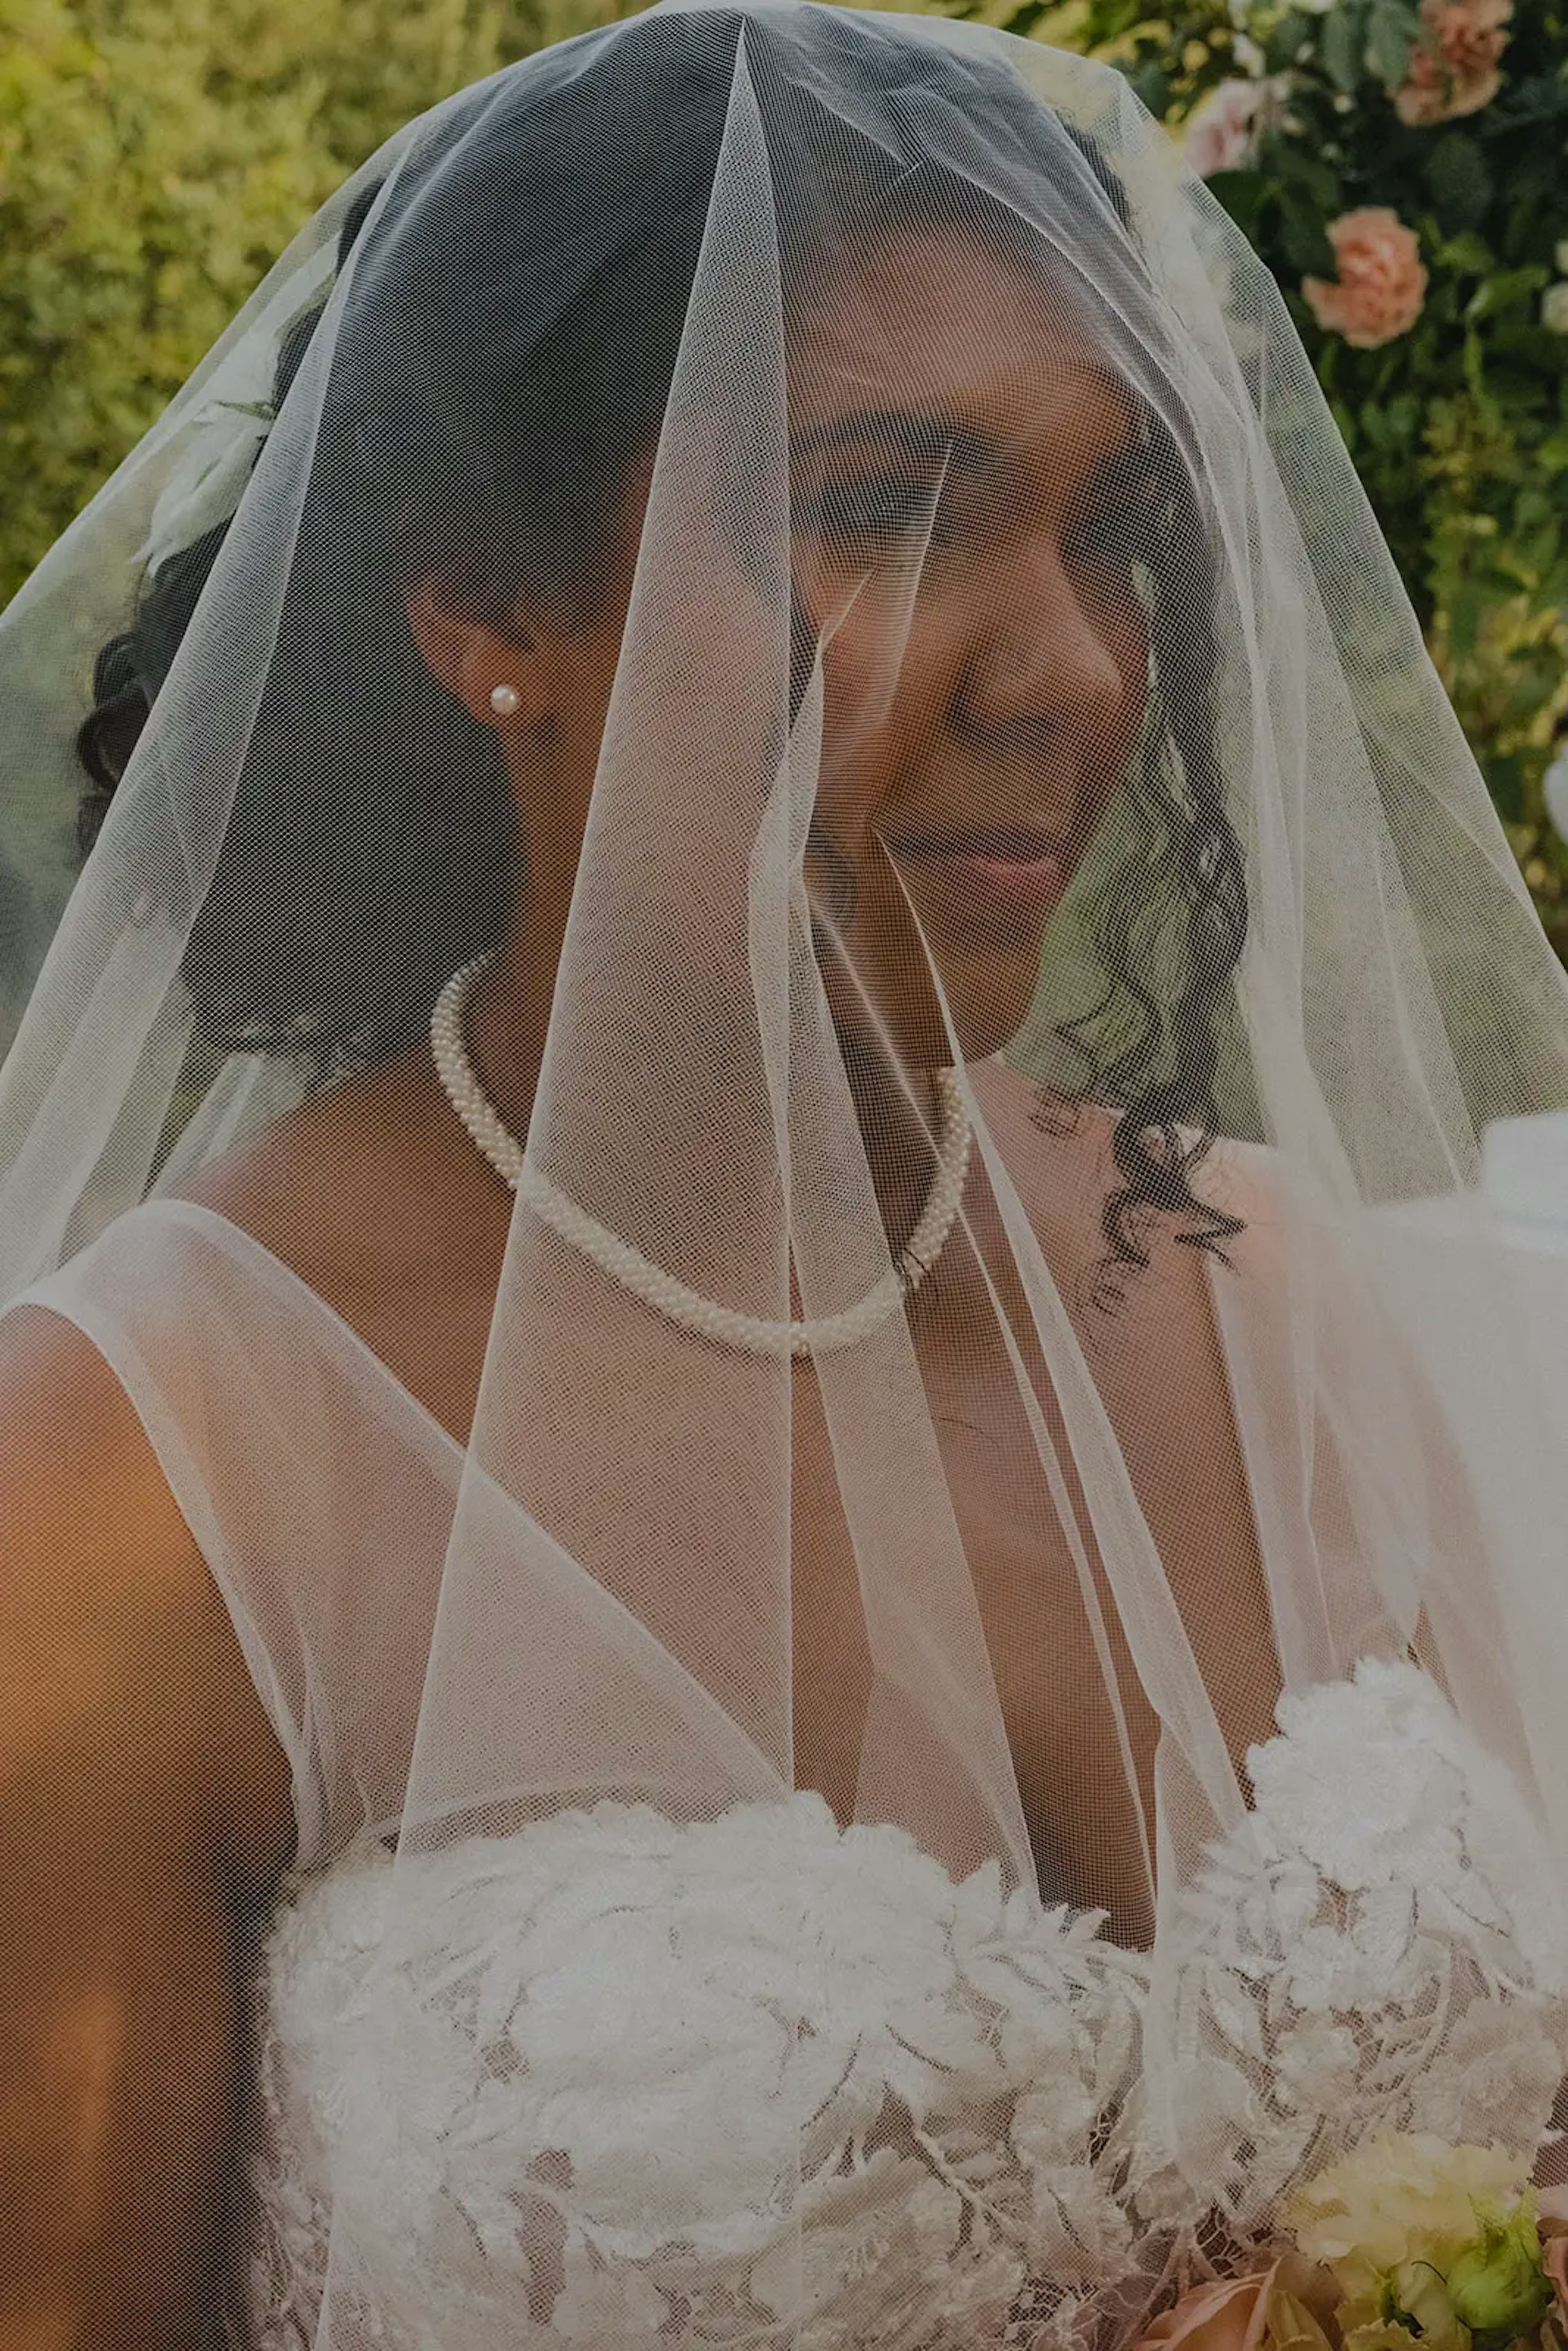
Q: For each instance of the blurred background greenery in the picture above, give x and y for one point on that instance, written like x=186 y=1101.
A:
x=155 y=155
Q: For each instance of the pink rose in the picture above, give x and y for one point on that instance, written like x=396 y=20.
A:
x=1381 y=284
x=1291 y=2305
x=1226 y=2314
x=1454 y=63
x=1551 y=2207
x=1220 y=133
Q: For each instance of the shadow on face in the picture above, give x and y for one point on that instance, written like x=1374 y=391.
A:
x=966 y=553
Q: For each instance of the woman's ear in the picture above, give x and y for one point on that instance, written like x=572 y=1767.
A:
x=495 y=677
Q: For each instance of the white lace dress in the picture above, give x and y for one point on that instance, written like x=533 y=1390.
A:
x=764 y=2081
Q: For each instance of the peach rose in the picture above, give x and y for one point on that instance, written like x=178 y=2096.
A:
x=1227 y=2314
x=1453 y=65
x=1381 y=284
x=1285 y=2307
x=1552 y=2209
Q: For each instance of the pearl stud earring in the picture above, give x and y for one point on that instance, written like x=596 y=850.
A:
x=505 y=701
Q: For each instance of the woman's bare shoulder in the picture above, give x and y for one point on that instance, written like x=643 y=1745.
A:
x=117 y=1647
x=72 y=1451
x=365 y=1191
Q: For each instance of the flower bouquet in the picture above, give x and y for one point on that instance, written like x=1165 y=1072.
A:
x=1408 y=2242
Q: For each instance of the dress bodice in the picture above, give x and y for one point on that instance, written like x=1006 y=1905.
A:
x=613 y=2079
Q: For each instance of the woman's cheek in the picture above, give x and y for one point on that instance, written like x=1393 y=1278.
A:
x=857 y=743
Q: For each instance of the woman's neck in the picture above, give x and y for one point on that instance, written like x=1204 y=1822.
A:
x=507 y=1025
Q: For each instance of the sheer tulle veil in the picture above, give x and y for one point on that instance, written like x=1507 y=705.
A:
x=887 y=652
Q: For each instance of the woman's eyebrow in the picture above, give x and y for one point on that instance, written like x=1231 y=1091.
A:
x=911 y=432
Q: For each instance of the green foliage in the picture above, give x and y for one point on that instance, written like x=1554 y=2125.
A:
x=155 y=157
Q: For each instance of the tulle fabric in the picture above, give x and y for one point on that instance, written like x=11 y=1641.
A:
x=1082 y=1568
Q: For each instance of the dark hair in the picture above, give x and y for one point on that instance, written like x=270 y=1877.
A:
x=1173 y=911
x=489 y=391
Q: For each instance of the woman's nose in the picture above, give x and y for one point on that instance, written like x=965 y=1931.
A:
x=1041 y=653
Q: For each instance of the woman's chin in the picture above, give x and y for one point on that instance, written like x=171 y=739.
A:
x=987 y=1010
x=989 y=984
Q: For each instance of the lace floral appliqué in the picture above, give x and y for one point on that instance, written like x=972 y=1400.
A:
x=762 y=2079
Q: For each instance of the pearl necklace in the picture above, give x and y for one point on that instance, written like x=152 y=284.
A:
x=724 y=1325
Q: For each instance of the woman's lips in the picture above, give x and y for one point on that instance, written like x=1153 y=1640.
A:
x=1023 y=870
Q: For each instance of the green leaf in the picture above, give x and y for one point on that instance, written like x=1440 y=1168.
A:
x=1241 y=193
x=1390 y=427
x=1460 y=182
x=1527 y=216
x=1404 y=414
x=1505 y=781
x=1465 y=619
x=1539 y=98
x=1468 y=254
x=1506 y=291
x=1343 y=45
x=1308 y=175
x=1539 y=552
x=1153 y=86
x=1391 y=31
x=1284 y=44
x=1305 y=240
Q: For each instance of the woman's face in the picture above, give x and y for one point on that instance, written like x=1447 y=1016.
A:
x=964 y=480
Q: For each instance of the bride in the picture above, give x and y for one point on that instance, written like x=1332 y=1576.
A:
x=734 y=1612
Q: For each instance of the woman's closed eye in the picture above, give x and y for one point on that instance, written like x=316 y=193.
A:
x=873 y=517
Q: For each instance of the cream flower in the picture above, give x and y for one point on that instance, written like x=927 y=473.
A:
x=1404 y=2196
